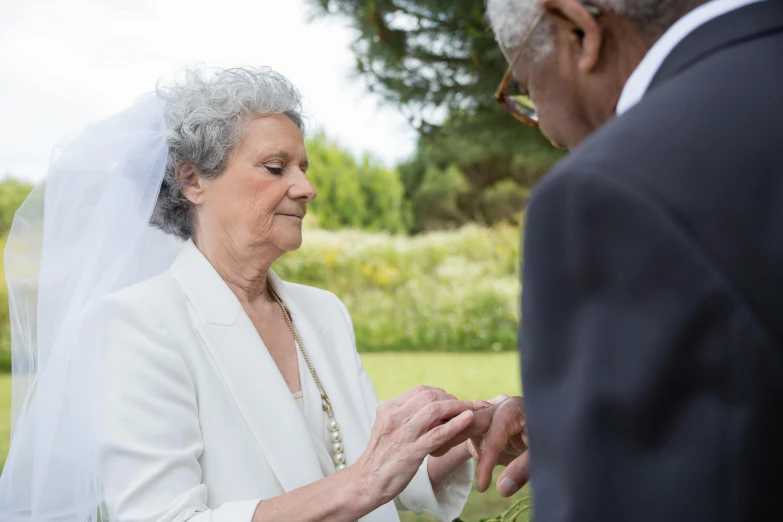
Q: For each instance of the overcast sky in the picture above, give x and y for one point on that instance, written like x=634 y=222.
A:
x=64 y=63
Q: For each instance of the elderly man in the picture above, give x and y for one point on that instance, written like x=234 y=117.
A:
x=652 y=332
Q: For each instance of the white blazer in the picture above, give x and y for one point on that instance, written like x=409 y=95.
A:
x=199 y=424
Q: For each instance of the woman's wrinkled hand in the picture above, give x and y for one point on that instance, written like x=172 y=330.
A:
x=406 y=430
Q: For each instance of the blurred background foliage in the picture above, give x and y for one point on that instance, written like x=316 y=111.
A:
x=355 y=193
x=437 y=62
x=452 y=291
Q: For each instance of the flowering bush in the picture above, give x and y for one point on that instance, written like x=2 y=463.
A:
x=441 y=291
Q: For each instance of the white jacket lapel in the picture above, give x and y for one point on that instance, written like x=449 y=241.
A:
x=255 y=383
x=338 y=376
x=333 y=372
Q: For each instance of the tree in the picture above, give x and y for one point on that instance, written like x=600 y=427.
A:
x=439 y=57
x=351 y=193
x=498 y=159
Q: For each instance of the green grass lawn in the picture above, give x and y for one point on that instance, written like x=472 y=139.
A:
x=467 y=376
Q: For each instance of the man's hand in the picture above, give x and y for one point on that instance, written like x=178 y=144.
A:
x=505 y=443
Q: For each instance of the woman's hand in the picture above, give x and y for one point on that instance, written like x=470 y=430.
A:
x=406 y=430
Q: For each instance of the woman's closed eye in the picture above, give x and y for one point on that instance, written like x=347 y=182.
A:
x=275 y=169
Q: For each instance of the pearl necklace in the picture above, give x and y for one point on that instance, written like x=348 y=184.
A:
x=338 y=454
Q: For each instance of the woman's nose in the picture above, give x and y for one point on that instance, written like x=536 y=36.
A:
x=302 y=188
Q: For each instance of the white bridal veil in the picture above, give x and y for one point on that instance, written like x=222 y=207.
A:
x=81 y=234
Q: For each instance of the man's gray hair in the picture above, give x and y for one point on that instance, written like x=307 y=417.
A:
x=206 y=115
x=511 y=19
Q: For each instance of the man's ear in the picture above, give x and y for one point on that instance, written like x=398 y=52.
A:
x=585 y=29
x=191 y=183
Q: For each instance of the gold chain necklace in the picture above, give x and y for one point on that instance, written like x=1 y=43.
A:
x=338 y=454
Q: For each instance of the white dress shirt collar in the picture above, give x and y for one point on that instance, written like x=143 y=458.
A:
x=639 y=81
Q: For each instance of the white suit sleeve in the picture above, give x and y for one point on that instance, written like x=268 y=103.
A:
x=151 y=440
x=447 y=503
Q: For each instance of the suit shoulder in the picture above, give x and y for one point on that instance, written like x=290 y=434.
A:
x=639 y=150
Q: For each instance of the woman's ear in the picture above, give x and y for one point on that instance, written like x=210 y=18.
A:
x=191 y=183
x=584 y=28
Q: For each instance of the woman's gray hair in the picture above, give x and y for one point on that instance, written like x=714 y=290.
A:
x=206 y=114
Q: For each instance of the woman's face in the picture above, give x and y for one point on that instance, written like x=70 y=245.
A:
x=261 y=196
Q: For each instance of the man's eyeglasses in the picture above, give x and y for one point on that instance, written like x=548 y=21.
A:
x=520 y=106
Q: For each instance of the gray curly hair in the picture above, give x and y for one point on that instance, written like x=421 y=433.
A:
x=511 y=19
x=205 y=118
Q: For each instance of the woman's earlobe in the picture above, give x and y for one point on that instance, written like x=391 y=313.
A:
x=190 y=183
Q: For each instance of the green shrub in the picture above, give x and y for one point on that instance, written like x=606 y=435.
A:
x=442 y=291
x=452 y=291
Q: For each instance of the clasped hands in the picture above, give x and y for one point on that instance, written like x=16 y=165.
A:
x=428 y=421
x=497 y=436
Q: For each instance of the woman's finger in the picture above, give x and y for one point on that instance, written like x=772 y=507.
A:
x=407 y=394
x=514 y=476
x=425 y=416
x=482 y=419
x=437 y=437
x=419 y=401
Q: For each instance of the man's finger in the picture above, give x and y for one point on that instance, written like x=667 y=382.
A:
x=507 y=422
x=494 y=442
x=514 y=476
x=473 y=447
x=500 y=398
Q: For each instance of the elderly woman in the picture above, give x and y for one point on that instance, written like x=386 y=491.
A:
x=228 y=394
x=237 y=396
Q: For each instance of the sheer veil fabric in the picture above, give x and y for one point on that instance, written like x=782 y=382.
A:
x=81 y=234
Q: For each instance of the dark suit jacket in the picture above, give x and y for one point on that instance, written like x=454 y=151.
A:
x=652 y=308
